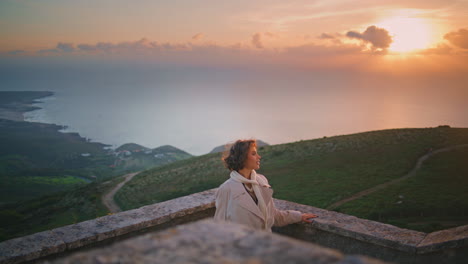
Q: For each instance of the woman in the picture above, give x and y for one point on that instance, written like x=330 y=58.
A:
x=246 y=197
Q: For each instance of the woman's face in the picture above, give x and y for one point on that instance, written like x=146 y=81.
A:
x=253 y=159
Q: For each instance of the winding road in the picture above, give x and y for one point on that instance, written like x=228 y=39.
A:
x=108 y=198
x=384 y=185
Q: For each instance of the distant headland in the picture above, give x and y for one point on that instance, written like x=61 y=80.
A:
x=14 y=104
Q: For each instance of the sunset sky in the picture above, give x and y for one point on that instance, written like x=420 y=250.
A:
x=197 y=74
x=351 y=34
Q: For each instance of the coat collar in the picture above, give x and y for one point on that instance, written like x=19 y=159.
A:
x=239 y=193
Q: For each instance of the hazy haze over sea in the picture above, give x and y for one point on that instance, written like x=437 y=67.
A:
x=196 y=109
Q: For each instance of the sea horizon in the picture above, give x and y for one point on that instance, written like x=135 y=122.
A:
x=197 y=110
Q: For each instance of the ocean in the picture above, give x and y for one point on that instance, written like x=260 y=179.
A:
x=197 y=109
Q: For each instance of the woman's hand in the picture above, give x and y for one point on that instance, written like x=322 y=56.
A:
x=306 y=217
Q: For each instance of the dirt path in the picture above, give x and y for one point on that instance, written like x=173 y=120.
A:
x=384 y=185
x=108 y=198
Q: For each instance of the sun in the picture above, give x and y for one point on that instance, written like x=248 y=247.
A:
x=408 y=33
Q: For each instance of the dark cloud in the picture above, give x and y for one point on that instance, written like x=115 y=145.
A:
x=86 y=47
x=105 y=46
x=66 y=47
x=378 y=37
x=45 y=51
x=257 y=40
x=171 y=46
x=108 y=47
x=16 y=52
x=458 y=38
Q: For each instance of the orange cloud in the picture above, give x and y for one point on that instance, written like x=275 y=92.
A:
x=440 y=49
x=458 y=38
x=326 y=36
x=271 y=35
x=331 y=51
x=198 y=36
x=257 y=40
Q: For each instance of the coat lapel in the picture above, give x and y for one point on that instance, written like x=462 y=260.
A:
x=240 y=194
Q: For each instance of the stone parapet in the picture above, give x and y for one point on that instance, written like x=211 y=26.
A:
x=360 y=229
x=354 y=235
x=207 y=241
x=58 y=240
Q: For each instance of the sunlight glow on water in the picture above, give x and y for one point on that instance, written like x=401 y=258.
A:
x=199 y=110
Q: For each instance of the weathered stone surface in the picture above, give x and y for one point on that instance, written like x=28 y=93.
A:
x=207 y=241
x=357 y=228
x=445 y=239
x=91 y=231
x=105 y=227
x=30 y=247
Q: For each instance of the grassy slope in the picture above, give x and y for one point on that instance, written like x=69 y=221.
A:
x=34 y=156
x=36 y=159
x=315 y=172
x=171 y=181
x=29 y=187
x=70 y=205
x=435 y=198
x=53 y=211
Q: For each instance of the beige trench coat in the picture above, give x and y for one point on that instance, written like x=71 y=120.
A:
x=234 y=204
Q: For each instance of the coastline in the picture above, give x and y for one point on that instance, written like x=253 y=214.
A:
x=11 y=115
x=13 y=105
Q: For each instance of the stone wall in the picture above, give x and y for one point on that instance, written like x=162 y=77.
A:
x=107 y=229
x=346 y=233
x=353 y=235
x=207 y=241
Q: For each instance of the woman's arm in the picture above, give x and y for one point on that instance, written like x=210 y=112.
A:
x=286 y=217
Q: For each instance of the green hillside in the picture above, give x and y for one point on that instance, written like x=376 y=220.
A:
x=70 y=200
x=131 y=147
x=317 y=172
x=42 y=145
x=49 y=178
x=59 y=209
x=37 y=159
x=436 y=197
x=133 y=157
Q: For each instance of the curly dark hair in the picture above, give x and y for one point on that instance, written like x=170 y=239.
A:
x=234 y=158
